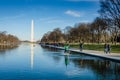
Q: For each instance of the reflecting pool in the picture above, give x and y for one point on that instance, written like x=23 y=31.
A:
x=33 y=62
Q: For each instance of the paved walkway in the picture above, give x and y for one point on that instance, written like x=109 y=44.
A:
x=101 y=54
x=115 y=56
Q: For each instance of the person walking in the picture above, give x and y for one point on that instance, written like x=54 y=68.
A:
x=66 y=48
x=81 y=46
x=108 y=48
x=105 y=48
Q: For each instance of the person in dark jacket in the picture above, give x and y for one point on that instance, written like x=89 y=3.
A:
x=81 y=46
x=105 y=48
x=108 y=48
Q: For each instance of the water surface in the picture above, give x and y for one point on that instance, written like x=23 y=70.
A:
x=33 y=62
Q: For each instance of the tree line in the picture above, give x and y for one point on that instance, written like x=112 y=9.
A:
x=8 y=39
x=105 y=28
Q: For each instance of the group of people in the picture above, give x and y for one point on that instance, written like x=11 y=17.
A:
x=107 y=48
x=67 y=46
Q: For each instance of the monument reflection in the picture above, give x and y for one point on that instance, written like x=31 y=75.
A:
x=32 y=56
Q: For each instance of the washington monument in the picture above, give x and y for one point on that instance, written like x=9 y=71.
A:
x=32 y=45
x=32 y=31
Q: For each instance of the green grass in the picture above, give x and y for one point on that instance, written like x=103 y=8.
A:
x=98 y=47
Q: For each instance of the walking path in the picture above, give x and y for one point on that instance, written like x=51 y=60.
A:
x=101 y=54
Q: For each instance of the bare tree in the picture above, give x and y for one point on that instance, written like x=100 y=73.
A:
x=8 y=38
x=99 y=27
x=110 y=11
x=53 y=36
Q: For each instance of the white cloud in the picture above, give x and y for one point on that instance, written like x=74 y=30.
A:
x=73 y=13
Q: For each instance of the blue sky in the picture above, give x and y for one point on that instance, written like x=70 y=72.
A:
x=16 y=15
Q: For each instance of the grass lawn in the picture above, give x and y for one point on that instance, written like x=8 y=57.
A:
x=97 y=47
